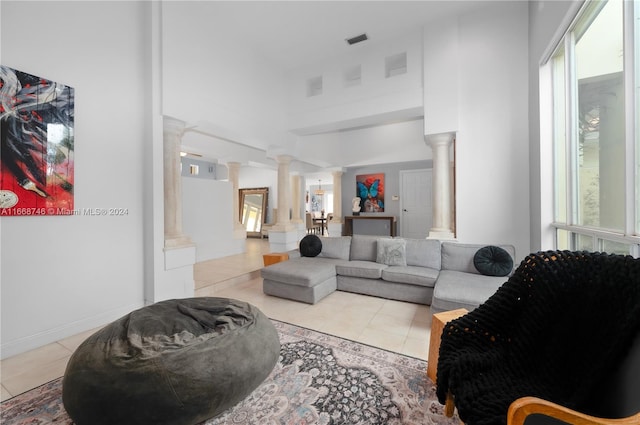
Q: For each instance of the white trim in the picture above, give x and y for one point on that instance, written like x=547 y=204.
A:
x=571 y=140
x=567 y=23
x=49 y=336
x=598 y=233
x=631 y=118
x=547 y=157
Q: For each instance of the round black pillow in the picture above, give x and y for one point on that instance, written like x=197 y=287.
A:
x=493 y=261
x=310 y=246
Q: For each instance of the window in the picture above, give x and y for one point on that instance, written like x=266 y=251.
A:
x=353 y=76
x=314 y=86
x=396 y=65
x=596 y=145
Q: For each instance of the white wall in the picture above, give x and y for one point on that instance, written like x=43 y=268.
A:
x=398 y=142
x=207 y=218
x=376 y=95
x=391 y=185
x=251 y=177
x=63 y=275
x=208 y=77
x=492 y=146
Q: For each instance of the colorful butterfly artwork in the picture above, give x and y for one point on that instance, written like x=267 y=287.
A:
x=370 y=190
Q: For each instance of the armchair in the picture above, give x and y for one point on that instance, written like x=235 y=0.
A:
x=526 y=407
x=564 y=328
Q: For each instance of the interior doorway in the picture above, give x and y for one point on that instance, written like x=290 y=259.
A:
x=416 y=211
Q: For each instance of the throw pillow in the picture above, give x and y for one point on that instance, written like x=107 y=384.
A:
x=391 y=252
x=493 y=261
x=310 y=246
x=335 y=247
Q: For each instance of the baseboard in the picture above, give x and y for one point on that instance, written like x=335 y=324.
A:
x=40 y=339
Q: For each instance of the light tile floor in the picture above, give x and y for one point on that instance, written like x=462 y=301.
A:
x=393 y=325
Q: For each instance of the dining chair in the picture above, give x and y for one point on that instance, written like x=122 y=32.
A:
x=312 y=227
x=329 y=218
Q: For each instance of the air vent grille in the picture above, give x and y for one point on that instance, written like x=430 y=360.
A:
x=357 y=39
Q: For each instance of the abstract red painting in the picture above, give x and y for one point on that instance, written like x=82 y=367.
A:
x=36 y=145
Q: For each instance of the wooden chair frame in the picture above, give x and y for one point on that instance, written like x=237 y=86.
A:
x=525 y=406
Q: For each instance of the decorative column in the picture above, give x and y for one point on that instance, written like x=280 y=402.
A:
x=442 y=216
x=173 y=234
x=295 y=201
x=337 y=196
x=176 y=278
x=283 y=236
x=284 y=192
x=239 y=231
x=334 y=226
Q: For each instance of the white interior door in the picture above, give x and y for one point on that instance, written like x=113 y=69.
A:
x=416 y=212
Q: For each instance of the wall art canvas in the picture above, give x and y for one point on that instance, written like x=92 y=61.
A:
x=370 y=190
x=37 y=145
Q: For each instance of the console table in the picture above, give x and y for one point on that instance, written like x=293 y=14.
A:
x=348 y=222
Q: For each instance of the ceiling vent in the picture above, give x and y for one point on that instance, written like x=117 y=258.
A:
x=357 y=39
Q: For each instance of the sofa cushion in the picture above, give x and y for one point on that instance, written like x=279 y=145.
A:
x=392 y=252
x=301 y=271
x=335 y=247
x=310 y=246
x=493 y=261
x=459 y=290
x=364 y=247
x=459 y=257
x=423 y=253
x=422 y=276
x=365 y=269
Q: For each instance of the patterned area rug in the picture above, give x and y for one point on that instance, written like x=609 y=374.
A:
x=319 y=379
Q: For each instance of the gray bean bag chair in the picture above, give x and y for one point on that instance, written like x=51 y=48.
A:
x=177 y=362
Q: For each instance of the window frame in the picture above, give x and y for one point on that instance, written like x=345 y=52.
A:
x=630 y=235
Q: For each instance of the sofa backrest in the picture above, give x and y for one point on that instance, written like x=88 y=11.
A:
x=459 y=257
x=364 y=247
x=423 y=253
x=335 y=247
x=419 y=252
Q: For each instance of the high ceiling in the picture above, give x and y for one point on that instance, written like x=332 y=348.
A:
x=292 y=34
x=295 y=33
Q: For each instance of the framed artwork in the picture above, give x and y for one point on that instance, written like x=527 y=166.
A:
x=370 y=190
x=316 y=202
x=37 y=145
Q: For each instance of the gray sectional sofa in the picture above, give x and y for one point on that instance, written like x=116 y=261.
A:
x=424 y=271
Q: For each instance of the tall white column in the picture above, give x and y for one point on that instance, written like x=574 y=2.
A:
x=173 y=234
x=239 y=231
x=442 y=193
x=335 y=225
x=337 y=196
x=284 y=192
x=295 y=199
x=283 y=236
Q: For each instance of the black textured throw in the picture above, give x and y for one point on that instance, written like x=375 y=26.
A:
x=558 y=327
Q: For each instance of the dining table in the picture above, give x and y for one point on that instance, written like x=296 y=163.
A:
x=322 y=220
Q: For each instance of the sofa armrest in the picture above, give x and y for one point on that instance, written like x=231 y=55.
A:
x=294 y=253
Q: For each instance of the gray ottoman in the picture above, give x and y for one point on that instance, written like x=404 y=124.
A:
x=177 y=362
x=301 y=279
